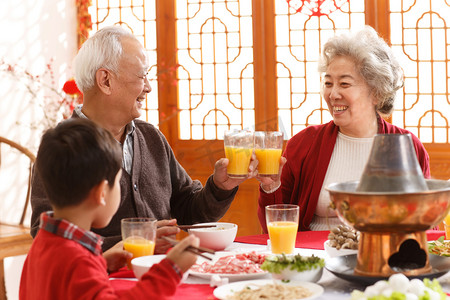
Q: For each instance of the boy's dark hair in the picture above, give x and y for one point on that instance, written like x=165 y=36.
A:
x=74 y=157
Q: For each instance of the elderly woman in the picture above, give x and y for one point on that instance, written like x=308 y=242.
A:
x=359 y=83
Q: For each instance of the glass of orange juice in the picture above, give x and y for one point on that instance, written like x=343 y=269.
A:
x=138 y=235
x=238 y=149
x=447 y=226
x=268 y=147
x=282 y=224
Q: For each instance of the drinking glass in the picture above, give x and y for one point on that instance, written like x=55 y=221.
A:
x=447 y=226
x=238 y=146
x=138 y=235
x=282 y=224
x=268 y=147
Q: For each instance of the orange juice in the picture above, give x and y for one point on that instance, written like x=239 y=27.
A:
x=269 y=160
x=138 y=247
x=239 y=159
x=282 y=236
x=447 y=226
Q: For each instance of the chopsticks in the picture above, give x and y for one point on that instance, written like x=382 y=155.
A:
x=195 y=250
x=195 y=227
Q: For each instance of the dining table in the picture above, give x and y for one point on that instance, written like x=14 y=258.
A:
x=307 y=243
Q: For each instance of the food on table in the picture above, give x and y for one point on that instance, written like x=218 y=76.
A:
x=439 y=247
x=244 y=263
x=216 y=238
x=277 y=263
x=272 y=291
x=399 y=287
x=343 y=237
x=294 y=267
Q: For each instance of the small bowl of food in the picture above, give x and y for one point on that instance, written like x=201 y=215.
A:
x=334 y=252
x=142 y=264
x=342 y=240
x=218 y=237
x=294 y=267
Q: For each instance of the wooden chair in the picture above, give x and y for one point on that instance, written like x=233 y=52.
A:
x=15 y=239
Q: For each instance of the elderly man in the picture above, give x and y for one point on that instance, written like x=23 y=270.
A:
x=111 y=69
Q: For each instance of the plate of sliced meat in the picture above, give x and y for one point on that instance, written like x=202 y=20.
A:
x=240 y=266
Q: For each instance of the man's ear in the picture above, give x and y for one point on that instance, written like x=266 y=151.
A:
x=103 y=79
x=99 y=192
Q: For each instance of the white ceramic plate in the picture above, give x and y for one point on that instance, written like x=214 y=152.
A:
x=333 y=252
x=225 y=291
x=231 y=277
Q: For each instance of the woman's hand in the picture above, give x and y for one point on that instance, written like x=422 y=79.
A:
x=268 y=183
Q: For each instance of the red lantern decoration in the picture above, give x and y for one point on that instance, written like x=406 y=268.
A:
x=316 y=7
x=74 y=97
x=70 y=88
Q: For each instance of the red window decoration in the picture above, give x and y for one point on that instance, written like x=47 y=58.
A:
x=316 y=7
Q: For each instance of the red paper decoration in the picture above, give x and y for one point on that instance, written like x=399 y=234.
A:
x=73 y=98
x=316 y=7
x=70 y=88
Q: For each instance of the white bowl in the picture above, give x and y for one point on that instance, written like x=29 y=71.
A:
x=142 y=264
x=333 y=252
x=312 y=275
x=215 y=238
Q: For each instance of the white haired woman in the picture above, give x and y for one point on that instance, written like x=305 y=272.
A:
x=360 y=77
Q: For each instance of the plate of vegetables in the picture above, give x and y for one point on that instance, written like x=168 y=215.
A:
x=294 y=267
x=439 y=247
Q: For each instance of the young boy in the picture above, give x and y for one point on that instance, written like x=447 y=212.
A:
x=80 y=165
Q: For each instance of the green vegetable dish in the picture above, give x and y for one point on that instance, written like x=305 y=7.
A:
x=439 y=247
x=276 y=264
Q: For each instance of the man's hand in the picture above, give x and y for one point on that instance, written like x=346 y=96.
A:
x=224 y=182
x=165 y=228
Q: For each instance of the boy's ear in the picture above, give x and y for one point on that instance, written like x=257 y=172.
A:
x=103 y=78
x=99 y=192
